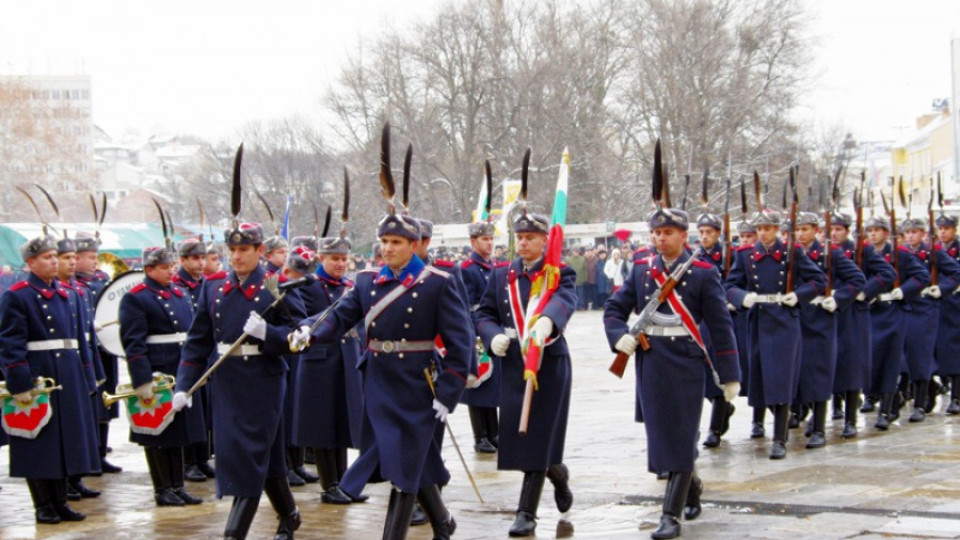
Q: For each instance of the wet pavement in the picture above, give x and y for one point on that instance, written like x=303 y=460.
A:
x=904 y=483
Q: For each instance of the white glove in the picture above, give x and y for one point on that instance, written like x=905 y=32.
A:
x=255 y=326
x=731 y=390
x=627 y=344
x=181 y=400
x=499 y=344
x=145 y=391
x=861 y=296
x=829 y=304
x=749 y=300
x=300 y=339
x=932 y=291
x=817 y=301
x=731 y=307
x=790 y=299
x=896 y=294
x=442 y=411
x=541 y=331
x=23 y=397
x=97 y=327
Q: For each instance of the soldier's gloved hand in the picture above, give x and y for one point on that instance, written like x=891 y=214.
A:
x=145 y=391
x=181 y=400
x=442 y=411
x=829 y=304
x=731 y=307
x=861 y=296
x=896 y=294
x=255 y=326
x=790 y=299
x=749 y=300
x=97 y=327
x=300 y=339
x=23 y=397
x=731 y=390
x=627 y=344
x=932 y=291
x=542 y=330
x=817 y=301
x=499 y=344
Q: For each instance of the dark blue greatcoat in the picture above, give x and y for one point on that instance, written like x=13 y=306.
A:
x=854 y=348
x=247 y=391
x=922 y=321
x=35 y=311
x=96 y=282
x=476 y=272
x=150 y=310
x=774 y=328
x=670 y=376
x=714 y=257
x=399 y=427
x=328 y=393
x=887 y=320
x=194 y=286
x=818 y=327
x=948 y=335
x=543 y=444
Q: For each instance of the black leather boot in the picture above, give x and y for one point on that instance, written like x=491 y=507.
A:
x=295 y=457
x=478 y=422
x=175 y=463
x=105 y=466
x=717 y=414
x=954 y=407
x=850 y=414
x=919 y=401
x=76 y=483
x=692 y=508
x=493 y=425
x=838 y=404
x=883 y=414
x=58 y=489
x=281 y=498
x=525 y=523
x=933 y=391
x=819 y=420
x=440 y=519
x=159 y=465
x=43 y=498
x=673 y=502
x=240 y=518
x=559 y=476
x=780 y=418
x=327 y=465
x=399 y=511
x=869 y=402
x=757 y=431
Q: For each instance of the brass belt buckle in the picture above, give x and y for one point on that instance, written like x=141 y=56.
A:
x=387 y=346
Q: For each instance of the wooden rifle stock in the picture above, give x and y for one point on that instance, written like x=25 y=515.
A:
x=933 y=248
x=828 y=255
x=791 y=262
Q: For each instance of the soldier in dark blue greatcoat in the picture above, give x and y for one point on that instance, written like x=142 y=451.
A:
x=248 y=389
x=757 y=281
x=154 y=318
x=948 y=337
x=670 y=375
x=540 y=452
x=40 y=336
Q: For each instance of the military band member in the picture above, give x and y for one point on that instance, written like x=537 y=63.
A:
x=948 y=336
x=854 y=349
x=482 y=400
x=757 y=282
x=40 y=336
x=154 y=318
x=404 y=306
x=923 y=318
x=247 y=391
x=670 y=375
x=540 y=452
x=818 y=323
x=193 y=261
x=888 y=315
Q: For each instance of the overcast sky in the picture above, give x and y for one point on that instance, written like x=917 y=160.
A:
x=205 y=67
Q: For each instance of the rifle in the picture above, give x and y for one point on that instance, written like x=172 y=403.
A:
x=893 y=228
x=933 y=235
x=858 y=206
x=649 y=315
x=791 y=260
x=727 y=240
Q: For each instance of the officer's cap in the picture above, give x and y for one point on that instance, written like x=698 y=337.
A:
x=531 y=223
x=274 y=242
x=746 y=227
x=766 y=217
x=191 y=246
x=302 y=259
x=669 y=217
x=808 y=218
x=399 y=225
x=86 y=242
x=426 y=228
x=38 y=245
x=158 y=255
x=841 y=219
x=709 y=220
x=334 y=246
x=244 y=234
x=481 y=228
x=944 y=220
x=309 y=242
x=66 y=245
x=879 y=222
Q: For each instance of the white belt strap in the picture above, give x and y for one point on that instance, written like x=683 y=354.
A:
x=666 y=331
x=243 y=350
x=769 y=298
x=400 y=346
x=886 y=297
x=511 y=333
x=158 y=339
x=52 y=344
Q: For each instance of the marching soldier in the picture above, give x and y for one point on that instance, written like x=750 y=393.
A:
x=95 y=280
x=154 y=318
x=540 y=453
x=247 y=392
x=948 y=336
x=670 y=374
x=887 y=317
x=747 y=235
x=404 y=306
x=818 y=324
x=213 y=264
x=757 y=282
x=193 y=261
x=275 y=253
x=39 y=336
x=482 y=398
x=853 y=324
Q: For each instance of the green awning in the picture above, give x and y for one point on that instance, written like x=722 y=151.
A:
x=125 y=240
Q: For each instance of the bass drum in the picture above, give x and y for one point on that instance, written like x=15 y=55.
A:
x=107 y=313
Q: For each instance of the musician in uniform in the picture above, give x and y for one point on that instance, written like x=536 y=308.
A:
x=404 y=306
x=482 y=399
x=540 y=452
x=948 y=337
x=670 y=375
x=40 y=337
x=193 y=261
x=95 y=280
x=154 y=318
x=247 y=391
x=757 y=282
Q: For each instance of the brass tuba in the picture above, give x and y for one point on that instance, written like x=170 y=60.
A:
x=161 y=381
x=111 y=264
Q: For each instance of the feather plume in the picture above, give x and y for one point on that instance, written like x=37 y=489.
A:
x=103 y=208
x=316 y=221
x=489 y=179
x=524 y=175
x=235 y=189
x=903 y=193
x=793 y=184
x=56 y=209
x=407 y=159
x=657 y=184
x=273 y=221
x=686 y=186
x=387 y=187
x=345 y=215
x=939 y=191
x=200 y=211
x=35 y=208
x=705 y=188
x=883 y=199
x=666 y=187
x=93 y=204
x=743 y=198
x=163 y=219
x=326 y=222
x=758 y=190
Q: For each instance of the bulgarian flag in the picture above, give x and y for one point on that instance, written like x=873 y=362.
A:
x=548 y=280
